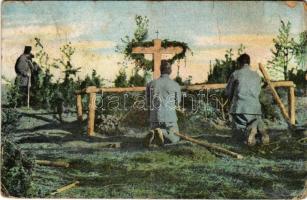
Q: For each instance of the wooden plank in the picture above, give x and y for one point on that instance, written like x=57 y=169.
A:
x=140 y=89
x=171 y=50
x=62 y=189
x=189 y=87
x=91 y=114
x=157 y=64
x=204 y=87
x=291 y=105
x=120 y=90
x=52 y=163
x=143 y=50
x=282 y=84
x=157 y=58
x=79 y=107
x=275 y=95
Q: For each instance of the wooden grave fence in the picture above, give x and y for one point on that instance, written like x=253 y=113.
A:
x=92 y=90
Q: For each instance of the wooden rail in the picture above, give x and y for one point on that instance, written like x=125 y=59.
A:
x=92 y=90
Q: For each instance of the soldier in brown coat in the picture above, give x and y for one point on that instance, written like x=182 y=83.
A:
x=23 y=69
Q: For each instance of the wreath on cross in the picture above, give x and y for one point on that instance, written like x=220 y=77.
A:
x=147 y=65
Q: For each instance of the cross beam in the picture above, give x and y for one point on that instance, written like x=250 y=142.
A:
x=157 y=52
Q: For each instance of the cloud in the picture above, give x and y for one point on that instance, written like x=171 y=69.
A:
x=93 y=44
x=227 y=41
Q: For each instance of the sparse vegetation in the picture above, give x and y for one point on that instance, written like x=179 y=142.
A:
x=287 y=50
x=132 y=171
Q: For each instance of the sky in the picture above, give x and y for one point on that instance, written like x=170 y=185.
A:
x=95 y=28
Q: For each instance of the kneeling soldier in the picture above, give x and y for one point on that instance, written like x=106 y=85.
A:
x=163 y=96
x=243 y=88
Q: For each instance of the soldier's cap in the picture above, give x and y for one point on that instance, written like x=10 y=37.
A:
x=27 y=50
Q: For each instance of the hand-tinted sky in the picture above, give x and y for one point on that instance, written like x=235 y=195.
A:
x=95 y=28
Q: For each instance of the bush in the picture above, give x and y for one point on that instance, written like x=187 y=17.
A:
x=17 y=167
x=223 y=68
x=121 y=79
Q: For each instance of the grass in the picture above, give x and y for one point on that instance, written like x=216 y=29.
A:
x=176 y=171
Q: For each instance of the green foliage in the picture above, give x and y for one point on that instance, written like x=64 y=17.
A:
x=140 y=60
x=45 y=91
x=141 y=32
x=223 y=68
x=136 y=79
x=9 y=119
x=13 y=95
x=16 y=170
x=16 y=167
x=301 y=50
x=286 y=50
x=178 y=79
x=298 y=77
x=93 y=80
x=121 y=79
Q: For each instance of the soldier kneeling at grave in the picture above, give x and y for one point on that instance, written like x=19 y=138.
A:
x=243 y=89
x=163 y=96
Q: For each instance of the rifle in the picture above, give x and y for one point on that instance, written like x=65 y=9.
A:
x=29 y=85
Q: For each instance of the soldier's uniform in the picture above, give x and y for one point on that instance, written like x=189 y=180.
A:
x=163 y=95
x=244 y=88
x=23 y=68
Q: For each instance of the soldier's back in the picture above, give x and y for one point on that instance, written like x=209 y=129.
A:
x=246 y=95
x=164 y=92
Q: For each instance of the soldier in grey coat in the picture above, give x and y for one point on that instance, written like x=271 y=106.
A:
x=243 y=88
x=163 y=96
x=23 y=69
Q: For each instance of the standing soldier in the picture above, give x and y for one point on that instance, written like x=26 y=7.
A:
x=243 y=89
x=23 y=68
x=163 y=96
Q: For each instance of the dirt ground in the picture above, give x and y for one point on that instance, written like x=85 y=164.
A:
x=184 y=170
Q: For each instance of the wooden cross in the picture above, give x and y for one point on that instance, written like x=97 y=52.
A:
x=157 y=52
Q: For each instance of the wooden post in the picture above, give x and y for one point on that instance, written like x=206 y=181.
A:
x=291 y=105
x=275 y=95
x=79 y=107
x=157 y=59
x=91 y=112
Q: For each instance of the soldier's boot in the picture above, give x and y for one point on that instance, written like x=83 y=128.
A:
x=251 y=138
x=159 y=139
x=265 y=138
x=149 y=139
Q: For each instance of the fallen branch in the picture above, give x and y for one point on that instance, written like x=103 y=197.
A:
x=211 y=135
x=210 y=146
x=62 y=189
x=52 y=163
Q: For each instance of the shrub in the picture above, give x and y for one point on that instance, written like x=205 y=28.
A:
x=16 y=167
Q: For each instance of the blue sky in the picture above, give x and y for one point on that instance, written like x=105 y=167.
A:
x=197 y=23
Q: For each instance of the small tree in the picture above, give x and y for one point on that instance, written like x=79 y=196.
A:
x=121 y=79
x=285 y=50
x=301 y=50
x=221 y=70
x=93 y=80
